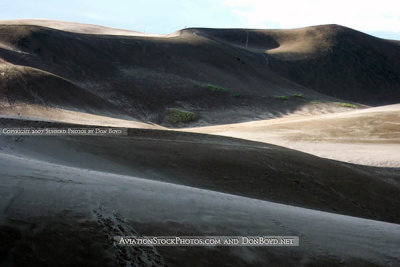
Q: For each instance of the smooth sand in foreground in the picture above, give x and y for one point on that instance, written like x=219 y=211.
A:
x=65 y=203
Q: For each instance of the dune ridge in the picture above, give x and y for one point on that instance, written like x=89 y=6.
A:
x=218 y=123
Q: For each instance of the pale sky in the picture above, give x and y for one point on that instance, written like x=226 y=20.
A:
x=380 y=18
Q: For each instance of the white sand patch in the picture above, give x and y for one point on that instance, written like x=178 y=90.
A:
x=368 y=136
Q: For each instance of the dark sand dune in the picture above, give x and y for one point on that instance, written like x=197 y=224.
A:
x=146 y=75
x=26 y=85
x=229 y=165
x=77 y=192
x=331 y=59
x=46 y=206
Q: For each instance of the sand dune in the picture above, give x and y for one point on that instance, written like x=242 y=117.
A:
x=330 y=59
x=80 y=27
x=58 y=115
x=146 y=77
x=289 y=44
x=180 y=171
x=229 y=165
x=43 y=194
x=368 y=136
x=21 y=85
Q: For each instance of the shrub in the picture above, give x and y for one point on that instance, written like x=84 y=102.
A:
x=347 y=105
x=176 y=116
x=282 y=97
x=298 y=95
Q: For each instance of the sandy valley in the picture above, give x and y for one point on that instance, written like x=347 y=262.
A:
x=229 y=132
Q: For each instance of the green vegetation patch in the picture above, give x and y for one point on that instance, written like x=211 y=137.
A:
x=236 y=95
x=176 y=116
x=214 y=88
x=282 y=97
x=347 y=105
x=298 y=95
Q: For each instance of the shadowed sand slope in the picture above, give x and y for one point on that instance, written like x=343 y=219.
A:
x=80 y=206
x=330 y=59
x=235 y=166
x=212 y=73
x=69 y=192
x=26 y=85
x=148 y=76
x=84 y=190
x=368 y=136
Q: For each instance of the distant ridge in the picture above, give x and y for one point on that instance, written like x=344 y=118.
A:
x=146 y=76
